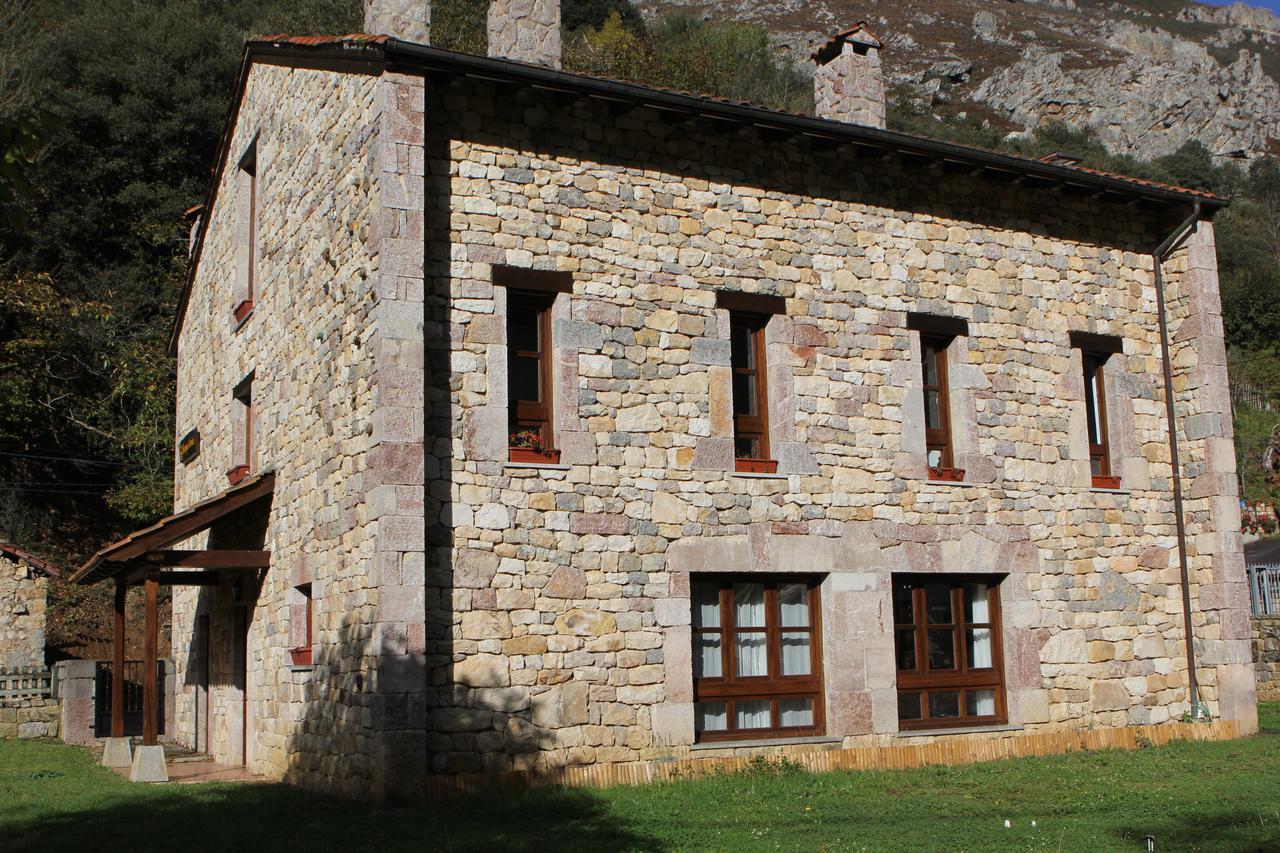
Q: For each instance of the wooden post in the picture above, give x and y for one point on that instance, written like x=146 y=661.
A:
x=117 y=663
x=149 y=648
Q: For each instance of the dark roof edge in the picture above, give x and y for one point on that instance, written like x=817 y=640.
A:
x=433 y=58
x=18 y=554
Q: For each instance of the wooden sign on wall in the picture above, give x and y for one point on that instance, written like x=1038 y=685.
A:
x=189 y=446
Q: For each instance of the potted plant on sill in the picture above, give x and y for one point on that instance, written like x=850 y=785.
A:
x=301 y=655
x=756 y=466
x=946 y=475
x=1107 y=482
x=525 y=445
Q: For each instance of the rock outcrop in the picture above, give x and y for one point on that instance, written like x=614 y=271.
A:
x=1146 y=80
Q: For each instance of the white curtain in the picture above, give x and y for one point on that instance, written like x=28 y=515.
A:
x=982 y=703
x=976 y=603
x=793 y=601
x=979 y=648
x=748 y=605
x=712 y=717
x=706 y=606
x=795 y=712
x=795 y=653
x=751 y=654
x=708 y=658
x=752 y=714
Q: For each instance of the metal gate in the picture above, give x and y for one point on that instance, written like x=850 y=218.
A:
x=102 y=698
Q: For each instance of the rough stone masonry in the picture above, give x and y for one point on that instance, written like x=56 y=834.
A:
x=471 y=615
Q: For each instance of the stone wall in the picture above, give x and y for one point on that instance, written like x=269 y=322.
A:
x=476 y=616
x=570 y=639
x=1266 y=656
x=30 y=718
x=22 y=613
x=309 y=342
x=525 y=30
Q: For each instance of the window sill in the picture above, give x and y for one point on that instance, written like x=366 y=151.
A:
x=1109 y=491
x=537 y=466
x=960 y=730
x=961 y=483
x=301 y=667
x=771 y=741
x=751 y=475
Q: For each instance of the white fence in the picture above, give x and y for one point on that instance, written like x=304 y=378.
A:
x=1264 y=589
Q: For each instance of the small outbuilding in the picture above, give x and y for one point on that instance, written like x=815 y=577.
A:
x=24 y=586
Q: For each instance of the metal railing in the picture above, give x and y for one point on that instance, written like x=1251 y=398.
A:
x=1264 y=589
x=19 y=684
x=133 y=697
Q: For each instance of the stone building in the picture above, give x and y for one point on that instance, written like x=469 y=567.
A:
x=24 y=587
x=586 y=423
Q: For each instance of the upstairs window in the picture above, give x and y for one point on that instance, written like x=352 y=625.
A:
x=529 y=374
x=947 y=643
x=247 y=232
x=936 y=336
x=1095 y=350
x=937 y=405
x=242 y=426
x=750 y=393
x=749 y=314
x=301 y=626
x=757 y=658
x=531 y=294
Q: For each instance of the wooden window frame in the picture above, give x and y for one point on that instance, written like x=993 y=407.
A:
x=249 y=168
x=302 y=654
x=922 y=680
x=938 y=438
x=532 y=414
x=243 y=465
x=1095 y=412
x=753 y=426
x=729 y=687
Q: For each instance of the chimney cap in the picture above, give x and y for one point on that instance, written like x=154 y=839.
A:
x=858 y=34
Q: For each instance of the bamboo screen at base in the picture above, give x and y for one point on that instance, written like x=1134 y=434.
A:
x=757 y=656
x=947 y=644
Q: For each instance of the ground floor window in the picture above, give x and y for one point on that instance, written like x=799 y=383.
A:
x=949 y=659
x=757 y=656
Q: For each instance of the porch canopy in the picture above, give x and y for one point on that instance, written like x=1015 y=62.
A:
x=147 y=557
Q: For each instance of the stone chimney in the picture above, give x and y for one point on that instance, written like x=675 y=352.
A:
x=405 y=19
x=848 y=84
x=525 y=30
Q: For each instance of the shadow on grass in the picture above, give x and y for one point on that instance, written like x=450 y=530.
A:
x=278 y=817
x=1226 y=830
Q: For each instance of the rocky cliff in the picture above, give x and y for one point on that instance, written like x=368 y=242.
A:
x=1145 y=74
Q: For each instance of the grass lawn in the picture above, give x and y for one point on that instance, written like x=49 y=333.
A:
x=1206 y=796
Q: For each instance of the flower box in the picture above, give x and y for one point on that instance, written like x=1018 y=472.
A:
x=946 y=475
x=1105 y=482
x=535 y=457
x=301 y=655
x=242 y=310
x=756 y=466
x=236 y=474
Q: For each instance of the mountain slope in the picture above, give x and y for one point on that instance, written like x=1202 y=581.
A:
x=1147 y=75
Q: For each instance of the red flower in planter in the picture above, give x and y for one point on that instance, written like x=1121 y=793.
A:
x=946 y=475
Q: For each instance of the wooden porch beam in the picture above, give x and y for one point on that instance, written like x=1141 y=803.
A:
x=188 y=578
x=213 y=559
x=150 y=651
x=117 y=662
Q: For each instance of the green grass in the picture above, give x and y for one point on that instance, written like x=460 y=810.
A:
x=1205 y=796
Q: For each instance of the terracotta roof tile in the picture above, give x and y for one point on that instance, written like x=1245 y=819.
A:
x=349 y=40
x=16 y=553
